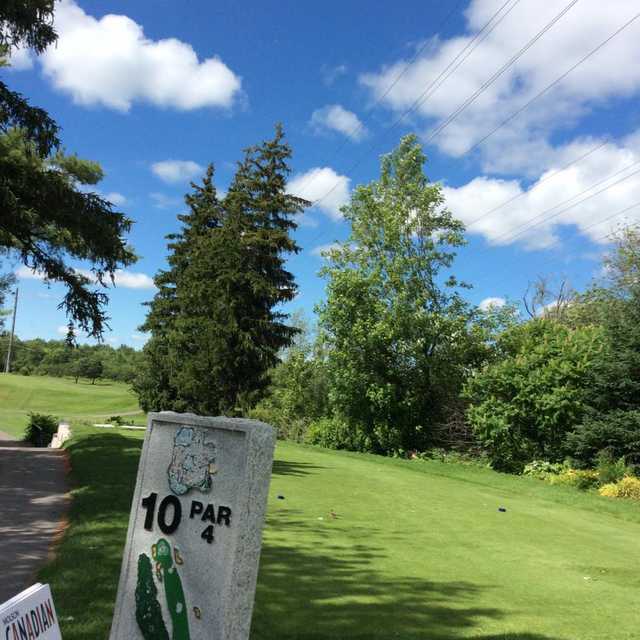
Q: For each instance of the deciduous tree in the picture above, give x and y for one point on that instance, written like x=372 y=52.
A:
x=395 y=326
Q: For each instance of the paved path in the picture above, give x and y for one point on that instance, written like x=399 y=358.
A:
x=32 y=504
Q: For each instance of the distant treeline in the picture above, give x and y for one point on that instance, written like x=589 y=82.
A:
x=56 y=358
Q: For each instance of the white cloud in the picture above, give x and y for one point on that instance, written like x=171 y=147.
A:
x=123 y=278
x=111 y=62
x=331 y=74
x=319 y=250
x=324 y=187
x=163 y=201
x=523 y=143
x=336 y=118
x=172 y=171
x=489 y=303
x=29 y=274
x=140 y=337
x=116 y=198
x=63 y=329
x=553 y=200
x=133 y=280
x=20 y=59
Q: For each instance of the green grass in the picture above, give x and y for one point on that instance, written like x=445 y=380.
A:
x=60 y=397
x=418 y=550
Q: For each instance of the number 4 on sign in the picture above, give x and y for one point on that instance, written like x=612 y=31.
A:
x=207 y=534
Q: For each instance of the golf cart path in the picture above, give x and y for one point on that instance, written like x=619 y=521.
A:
x=33 y=502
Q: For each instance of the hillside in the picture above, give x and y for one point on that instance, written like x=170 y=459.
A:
x=368 y=547
x=61 y=397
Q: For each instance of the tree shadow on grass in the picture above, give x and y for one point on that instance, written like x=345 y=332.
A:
x=314 y=584
x=84 y=574
x=288 y=468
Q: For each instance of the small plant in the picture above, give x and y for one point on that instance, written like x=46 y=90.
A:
x=117 y=420
x=41 y=429
x=609 y=469
x=627 y=487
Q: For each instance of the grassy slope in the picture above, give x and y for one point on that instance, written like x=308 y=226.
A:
x=61 y=397
x=417 y=550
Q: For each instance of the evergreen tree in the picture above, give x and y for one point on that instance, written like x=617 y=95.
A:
x=47 y=219
x=215 y=327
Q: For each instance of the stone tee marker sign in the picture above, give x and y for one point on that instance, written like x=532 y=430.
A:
x=191 y=558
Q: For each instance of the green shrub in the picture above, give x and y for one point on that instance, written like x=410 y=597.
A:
x=579 y=478
x=41 y=429
x=617 y=432
x=609 y=469
x=542 y=469
x=286 y=428
x=117 y=420
x=334 y=433
x=454 y=457
x=627 y=487
x=522 y=406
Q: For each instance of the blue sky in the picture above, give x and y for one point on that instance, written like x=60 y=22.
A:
x=156 y=91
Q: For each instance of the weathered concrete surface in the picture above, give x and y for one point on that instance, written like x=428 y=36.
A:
x=32 y=506
x=212 y=476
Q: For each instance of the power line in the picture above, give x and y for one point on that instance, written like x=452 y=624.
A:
x=552 y=84
x=555 y=215
x=520 y=110
x=444 y=75
x=614 y=215
x=551 y=175
x=386 y=92
x=471 y=99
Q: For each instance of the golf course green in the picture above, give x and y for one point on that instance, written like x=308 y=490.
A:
x=61 y=397
x=359 y=546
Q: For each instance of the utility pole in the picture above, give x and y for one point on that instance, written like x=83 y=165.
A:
x=13 y=328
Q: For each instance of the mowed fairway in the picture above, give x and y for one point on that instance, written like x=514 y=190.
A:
x=375 y=548
x=60 y=397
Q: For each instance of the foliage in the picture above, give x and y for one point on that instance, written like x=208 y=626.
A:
x=334 y=433
x=395 y=329
x=542 y=469
x=610 y=469
x=580 y=478
x=91 y=368
x=59 y=359
x=449 y=457
x=626 y=487
x=27 y=23
x=523 y=405
x=616 y=432
x=215 y=322
x=47 y=218
x=297 y=394
x=41 y=429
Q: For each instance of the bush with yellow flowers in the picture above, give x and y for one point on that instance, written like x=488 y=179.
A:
x=628 y=487
x=579 y=478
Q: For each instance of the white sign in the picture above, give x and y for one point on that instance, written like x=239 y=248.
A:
x=191 y=559
x=30 y=615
